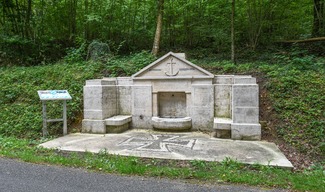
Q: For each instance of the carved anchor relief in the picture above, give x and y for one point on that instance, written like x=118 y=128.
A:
x=172 y=71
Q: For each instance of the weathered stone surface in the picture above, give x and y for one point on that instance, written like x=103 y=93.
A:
x=142 y=107
x=99 y=82
x=224 y=79
x=124 y=99
x=245 y=95
x=181 y=146
x=93 y=126
x=245 y=115
x=118 y=120
x=117 y=129
x=223 y=134
x=173 y=67
x=172 y=124
x=244 y=80
x=246 y=131
x=202 y=107
x=170 y=88
x=99 y=101
x=172 y=104
x=223 y=100
x=222 y=123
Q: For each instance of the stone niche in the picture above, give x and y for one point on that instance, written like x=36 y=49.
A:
x=173 y=94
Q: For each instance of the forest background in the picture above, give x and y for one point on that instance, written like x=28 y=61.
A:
x=33 y=32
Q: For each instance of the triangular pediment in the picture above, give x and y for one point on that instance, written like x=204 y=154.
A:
x=172 y=65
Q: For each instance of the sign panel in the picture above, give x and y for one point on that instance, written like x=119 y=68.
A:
x=54 y=95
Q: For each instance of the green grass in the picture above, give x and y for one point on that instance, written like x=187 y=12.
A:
x=199 y=171
x=21 y=108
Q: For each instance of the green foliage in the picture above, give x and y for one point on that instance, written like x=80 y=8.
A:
x=98 y=51
x=21 y=114
x=300 y=59
x=18 y=51
x=74 y=55
x=299 y=100
x=127 y=65
x=43 y=30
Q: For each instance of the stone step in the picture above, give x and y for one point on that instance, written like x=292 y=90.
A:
x=222 y=123
x=118 y=120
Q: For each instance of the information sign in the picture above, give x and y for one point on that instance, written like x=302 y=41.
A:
x=54 y=95
x=48 y=95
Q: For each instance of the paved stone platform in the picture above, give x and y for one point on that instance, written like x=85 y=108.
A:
x=181 y=146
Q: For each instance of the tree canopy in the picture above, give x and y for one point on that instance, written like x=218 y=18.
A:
x=47 y=26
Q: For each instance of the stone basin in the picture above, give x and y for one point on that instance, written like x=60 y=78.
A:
x=172 y=123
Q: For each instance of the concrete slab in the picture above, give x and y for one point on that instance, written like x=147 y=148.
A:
x=180 y=146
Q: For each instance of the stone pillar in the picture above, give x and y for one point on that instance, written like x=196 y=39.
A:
x=155 y=104
x=223 y=100
x=100 y=102
x=142 y=107
x=202 y=112
x=245 y=109
x=188 y=104
x=124 y=99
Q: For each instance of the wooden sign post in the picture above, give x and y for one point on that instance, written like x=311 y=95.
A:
x=50 y=95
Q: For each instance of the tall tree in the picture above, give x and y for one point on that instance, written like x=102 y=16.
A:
x=28 y=18
x=156 y=42
x=233 y=31
x=318 y=23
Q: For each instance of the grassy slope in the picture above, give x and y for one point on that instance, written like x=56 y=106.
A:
x=296 y=96
x=21 y=108
x=295 y=90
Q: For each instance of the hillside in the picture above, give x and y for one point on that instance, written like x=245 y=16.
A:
x=292 y=97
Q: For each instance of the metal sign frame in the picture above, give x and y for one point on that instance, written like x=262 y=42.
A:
x=48 y=95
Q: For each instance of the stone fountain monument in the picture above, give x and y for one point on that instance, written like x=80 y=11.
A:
x=173 y=94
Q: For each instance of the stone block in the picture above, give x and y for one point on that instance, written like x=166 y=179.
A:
x=124 y=100
x=245 y=95
x=172 y=104
x=124 y=81
x=246 y=131
x=117 y=129
x=223 y=100
x=141 y=122
x=223 y=134
x=222 y=123
x=100 y=101
x=202 y=118
x=109 y=101
x=118 y=120
x=172 y=85
x=142 y=101
x=100 y=82
x=172 y=124
x=223 y=79
x=92 y=97
x=202 y=96
x=93 y=126
x=245 y=115
x=202 y=109
x=244 y=80
x=94 y=114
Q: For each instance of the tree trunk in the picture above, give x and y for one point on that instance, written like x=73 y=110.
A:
x=156 y=43
x=233 y=31
x=28 y=17
x=318 y=23
x=86 y=26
